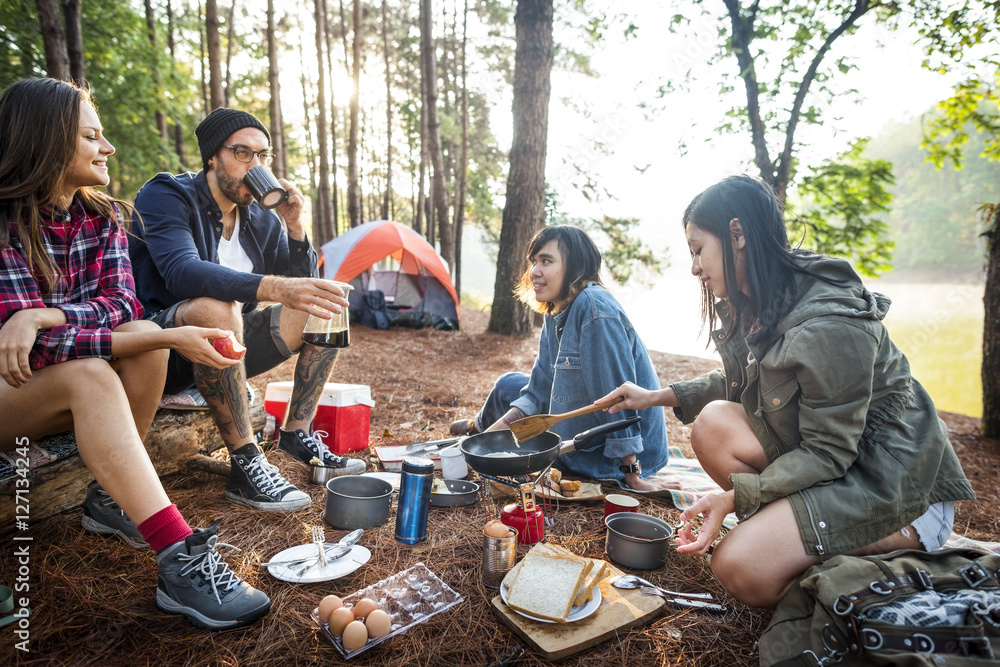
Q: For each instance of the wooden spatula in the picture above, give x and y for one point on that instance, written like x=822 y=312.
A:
x=535 y=425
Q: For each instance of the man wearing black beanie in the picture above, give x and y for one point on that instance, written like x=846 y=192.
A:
x=205 y=253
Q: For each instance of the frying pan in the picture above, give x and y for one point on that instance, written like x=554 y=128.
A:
x=529 y=456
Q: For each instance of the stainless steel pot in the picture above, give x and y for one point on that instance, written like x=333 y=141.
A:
x=357 y=502
x=638 y=541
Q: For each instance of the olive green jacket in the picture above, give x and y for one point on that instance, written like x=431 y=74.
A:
x=853 y=441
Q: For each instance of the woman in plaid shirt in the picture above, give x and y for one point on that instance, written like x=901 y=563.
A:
x=74 y=353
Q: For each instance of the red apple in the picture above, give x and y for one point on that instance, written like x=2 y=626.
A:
x=229 y=347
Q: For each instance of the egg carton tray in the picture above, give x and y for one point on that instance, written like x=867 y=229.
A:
x=409 y=597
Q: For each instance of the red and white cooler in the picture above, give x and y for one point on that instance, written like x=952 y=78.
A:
x=343 y=415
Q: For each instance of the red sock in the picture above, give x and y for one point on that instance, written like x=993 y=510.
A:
x=164 y=528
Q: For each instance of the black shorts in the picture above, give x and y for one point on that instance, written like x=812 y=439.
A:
x=261 y=336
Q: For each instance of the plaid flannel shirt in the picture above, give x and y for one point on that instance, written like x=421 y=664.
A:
x=96 y=291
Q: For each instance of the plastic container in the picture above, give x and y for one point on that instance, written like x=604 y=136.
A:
x=410 y=597
x=415 y=484
x=343 y=415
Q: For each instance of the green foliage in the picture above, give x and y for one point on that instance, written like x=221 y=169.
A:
x=839 y=207
x=933 y=217
x=626 y=256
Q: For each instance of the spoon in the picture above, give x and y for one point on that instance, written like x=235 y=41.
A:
x=632 y=581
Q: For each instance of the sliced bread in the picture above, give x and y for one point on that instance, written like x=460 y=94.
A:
x=546 y=586
x=597 y=573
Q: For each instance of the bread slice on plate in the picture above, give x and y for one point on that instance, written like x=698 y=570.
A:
x=547 y=586
x=597 y=573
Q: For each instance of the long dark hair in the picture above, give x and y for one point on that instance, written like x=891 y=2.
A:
x=770 y=263
x=583 y=266
x=39 y=133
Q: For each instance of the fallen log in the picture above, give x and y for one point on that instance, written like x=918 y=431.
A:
x=177 y=440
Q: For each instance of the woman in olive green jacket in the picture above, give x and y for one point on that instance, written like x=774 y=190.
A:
x=820 y=438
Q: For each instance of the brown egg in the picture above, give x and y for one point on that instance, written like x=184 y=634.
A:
x=378 y=623
x=496 y=528
x=327 y=606
x=339 y=620
x=355 y=636
x=363 y=607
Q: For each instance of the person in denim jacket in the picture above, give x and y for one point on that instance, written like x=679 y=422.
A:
x=587 y=347
x=822 y=441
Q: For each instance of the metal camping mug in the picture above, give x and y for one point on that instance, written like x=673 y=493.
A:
x=414 y=500
x=616 y=502
x=498 y=557
x=264 y=186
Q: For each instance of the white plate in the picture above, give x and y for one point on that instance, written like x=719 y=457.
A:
x=575 y=614
x=391 y=477
x=341 y=567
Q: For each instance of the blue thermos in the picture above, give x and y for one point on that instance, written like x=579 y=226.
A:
x=414 y=500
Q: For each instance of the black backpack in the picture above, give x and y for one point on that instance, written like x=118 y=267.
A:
x=374 y=312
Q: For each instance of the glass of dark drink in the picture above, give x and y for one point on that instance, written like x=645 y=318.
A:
x=334 y=332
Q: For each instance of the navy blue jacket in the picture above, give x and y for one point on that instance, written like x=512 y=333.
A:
x=174 y=246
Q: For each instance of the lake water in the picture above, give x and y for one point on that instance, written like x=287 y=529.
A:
x=939 y=327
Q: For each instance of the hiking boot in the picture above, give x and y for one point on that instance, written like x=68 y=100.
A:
x=193 y=580
x=257 y=484
x=307 y=447
x=463 y=427
x=102 y=515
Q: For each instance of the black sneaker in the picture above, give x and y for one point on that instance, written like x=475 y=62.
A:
x=255 y=483
x=193 y=580
x=307 y=447
x=102 y=515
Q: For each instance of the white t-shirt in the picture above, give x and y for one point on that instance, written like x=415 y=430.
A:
x=231 y=253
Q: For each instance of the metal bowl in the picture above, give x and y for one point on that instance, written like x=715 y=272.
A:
x=638 y=541
x=320 y=475
x=462 y=493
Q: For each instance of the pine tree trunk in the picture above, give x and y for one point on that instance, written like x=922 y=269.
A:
x=154 y=58
x=991 y=330
x=216 y=98
x=72 y=12
x=463 y=162
x=524 y=212
x=323 y=230
x=54 y=37
x=440 y=206
x=171 y=48
x=387 y=192
x=277 y=128
x=353 y=177
x=230 y=40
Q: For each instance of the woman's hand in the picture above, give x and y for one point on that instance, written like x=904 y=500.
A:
x=714 y=508
x=16 y=339
x=636 y=398
x=195 y=343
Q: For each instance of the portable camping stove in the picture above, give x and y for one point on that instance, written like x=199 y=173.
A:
x=523 y=515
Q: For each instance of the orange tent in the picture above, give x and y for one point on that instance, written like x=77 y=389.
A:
x=418 y=280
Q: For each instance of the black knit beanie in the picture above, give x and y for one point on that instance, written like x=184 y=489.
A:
x=218 y=126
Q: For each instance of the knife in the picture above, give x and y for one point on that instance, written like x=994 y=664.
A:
x=698 y=604
x=431 y=445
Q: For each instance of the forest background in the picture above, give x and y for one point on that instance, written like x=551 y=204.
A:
x=402 y=110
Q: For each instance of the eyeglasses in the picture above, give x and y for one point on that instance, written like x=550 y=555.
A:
x=244 y=154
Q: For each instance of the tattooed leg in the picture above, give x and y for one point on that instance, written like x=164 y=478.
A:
x=312 y=370
x=225 y=391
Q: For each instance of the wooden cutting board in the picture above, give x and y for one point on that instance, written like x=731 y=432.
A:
x=619 y=611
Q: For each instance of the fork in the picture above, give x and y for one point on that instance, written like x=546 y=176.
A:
x=319 y=539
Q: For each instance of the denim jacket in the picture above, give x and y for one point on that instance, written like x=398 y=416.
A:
x=174 y=246
x=852 y=439
x=584 y=353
